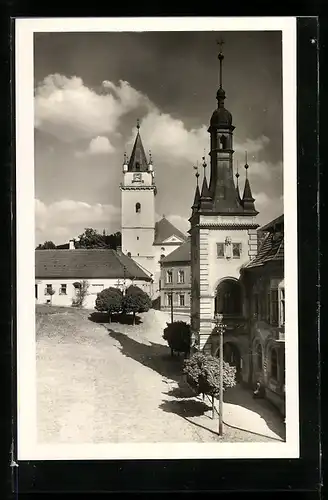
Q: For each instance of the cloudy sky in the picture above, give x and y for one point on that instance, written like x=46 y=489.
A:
x=90 y=88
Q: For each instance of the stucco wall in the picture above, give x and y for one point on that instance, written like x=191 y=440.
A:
x=66 y=300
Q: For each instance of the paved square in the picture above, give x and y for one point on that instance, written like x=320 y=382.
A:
x=100 y=382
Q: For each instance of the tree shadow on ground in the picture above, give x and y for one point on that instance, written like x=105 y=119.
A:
x=181 y=392
x=187 y=408
x=155 y=356
x=241 y=396
x=122 y=319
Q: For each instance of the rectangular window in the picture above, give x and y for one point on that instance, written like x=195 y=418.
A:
x=96 y=289
x=181 y=299
x=220 y=250
x=169 y=276
x=63 y=289
x=36 y=291
x=168 y=299
x=181 y=276
x=236 y=250
x=48 y=290
x=274 y=307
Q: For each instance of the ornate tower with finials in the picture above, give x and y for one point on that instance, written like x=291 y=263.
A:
x=223 y=231
x=138 y=191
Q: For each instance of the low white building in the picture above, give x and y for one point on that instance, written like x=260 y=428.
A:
x=59 y=274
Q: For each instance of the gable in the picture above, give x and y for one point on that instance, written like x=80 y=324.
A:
x=173 y=239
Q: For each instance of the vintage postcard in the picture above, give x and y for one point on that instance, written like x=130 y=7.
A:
x=156 y=238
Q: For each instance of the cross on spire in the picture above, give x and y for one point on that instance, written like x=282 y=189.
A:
x=138 y=124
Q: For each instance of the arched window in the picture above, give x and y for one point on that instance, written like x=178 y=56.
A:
x=228 y=298
x=223 y=142
x=138 y=208
x=274 y=364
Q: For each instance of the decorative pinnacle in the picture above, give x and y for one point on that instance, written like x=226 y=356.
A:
x=150 y=157
x=237 y=173
x=197 y=173
x=246 y=164
x=125 y=158
x=138 y=123
x=204 y=164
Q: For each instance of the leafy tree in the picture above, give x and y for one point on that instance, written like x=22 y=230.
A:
x=178 y=335
x=91 y=238
x=109 y=300
x=47 y=245
x=136 y=300
x=203 y=375
x=81 y=288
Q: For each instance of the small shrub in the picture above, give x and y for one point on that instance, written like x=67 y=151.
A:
x=136 y=300
x=178 y=336
x=81 y=288
x=203 y=374
x=109 y=300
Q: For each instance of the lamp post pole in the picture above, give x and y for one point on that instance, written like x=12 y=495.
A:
x=171 y=307
x=221 y=328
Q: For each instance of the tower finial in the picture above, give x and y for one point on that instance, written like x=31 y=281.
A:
x=138 y=124
x=204 y=166
x=220 y=57
x=246 y=164
x=197 y=173
x=237 y=175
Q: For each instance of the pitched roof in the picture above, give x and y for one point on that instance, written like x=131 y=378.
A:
x=164 y=230
x=272 y=249
x=181 y=254
x=86 y=263
x=138 y=161
x=279 y=221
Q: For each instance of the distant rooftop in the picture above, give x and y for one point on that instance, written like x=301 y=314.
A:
x=164 y=230
x=181 y=254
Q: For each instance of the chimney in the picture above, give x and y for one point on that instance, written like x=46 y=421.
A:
x=71 y=245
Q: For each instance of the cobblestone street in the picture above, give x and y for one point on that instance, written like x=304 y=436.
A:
x=117 y=382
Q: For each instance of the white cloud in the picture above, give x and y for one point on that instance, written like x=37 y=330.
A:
x=179 y=222
x=252 y=146
x=77 y=216
x=69 y=110
x=98 y=145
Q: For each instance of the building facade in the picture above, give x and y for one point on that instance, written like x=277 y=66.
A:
x=59 y=275
x=263 y=279
x=144 y=239
x=223 y=240
x=175 y=282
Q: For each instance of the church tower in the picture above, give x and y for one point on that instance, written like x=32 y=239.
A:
x=223 y=235
x=138 y=192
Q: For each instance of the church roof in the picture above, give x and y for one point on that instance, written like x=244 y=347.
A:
x=86 y=264
x=138 y=161
x=181 y=254
x=164 y=230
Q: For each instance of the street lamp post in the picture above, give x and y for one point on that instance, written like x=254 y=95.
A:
x=221 y=328
x=171 y=294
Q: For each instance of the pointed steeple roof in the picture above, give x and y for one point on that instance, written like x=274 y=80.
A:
x=138 y=161
x=248 y=200
x=237 y=175
x=196 y=198
x=205 y=195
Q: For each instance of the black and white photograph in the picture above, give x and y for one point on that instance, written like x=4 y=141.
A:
x=156 y=238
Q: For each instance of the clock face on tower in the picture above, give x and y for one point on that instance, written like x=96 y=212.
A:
x=137 y=177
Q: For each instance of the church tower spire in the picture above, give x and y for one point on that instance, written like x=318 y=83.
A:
x=222 y=187
x=195 y=205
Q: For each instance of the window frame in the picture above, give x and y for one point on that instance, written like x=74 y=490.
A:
x=63 y=286
x=169 y=273
x=181 y=281
x=219 y=245
x=138 y=207
x=48 y=287
x=182 y=296
x=239 y=246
